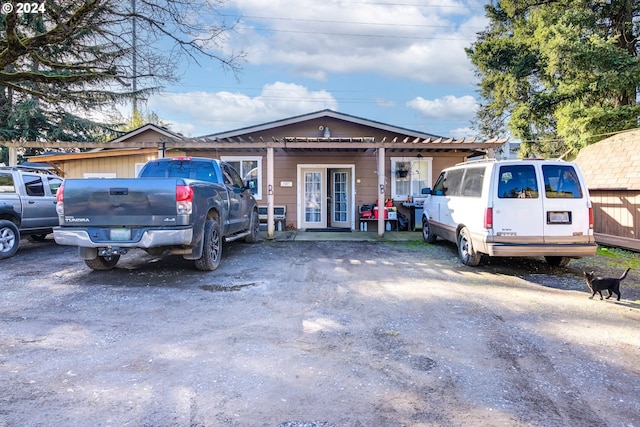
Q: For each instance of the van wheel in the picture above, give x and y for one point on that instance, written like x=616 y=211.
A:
x=212 y=247
x=427 y=234
x=557 y=261
x=466 y=253
x=102 y=263
x=9 y=239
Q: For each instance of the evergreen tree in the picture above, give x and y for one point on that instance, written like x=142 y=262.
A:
x=558 y=74
x=71 y=57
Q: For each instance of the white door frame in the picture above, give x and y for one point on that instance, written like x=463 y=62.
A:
x=326 y=167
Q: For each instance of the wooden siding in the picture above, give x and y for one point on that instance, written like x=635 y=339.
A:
x=365 y=165
x=122 y=166
x=617 y=217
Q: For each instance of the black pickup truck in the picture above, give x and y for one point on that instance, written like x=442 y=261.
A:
x=182 y=205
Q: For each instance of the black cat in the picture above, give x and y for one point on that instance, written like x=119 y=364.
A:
x=599 y=284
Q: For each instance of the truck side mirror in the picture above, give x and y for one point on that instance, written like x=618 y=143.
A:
x=426 y=190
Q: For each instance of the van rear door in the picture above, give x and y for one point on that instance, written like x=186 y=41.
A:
x=566 y=205
x=517 y=205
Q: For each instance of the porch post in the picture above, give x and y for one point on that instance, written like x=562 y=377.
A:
x=381 y=191
x=13 y=156
x=271 y=227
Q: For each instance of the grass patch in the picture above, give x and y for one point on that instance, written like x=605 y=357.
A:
x=632 y=259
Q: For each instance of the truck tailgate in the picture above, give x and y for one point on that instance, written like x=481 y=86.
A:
x=120 y=202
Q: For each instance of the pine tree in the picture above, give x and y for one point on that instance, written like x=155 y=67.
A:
x=558 y=75
x=74 y=57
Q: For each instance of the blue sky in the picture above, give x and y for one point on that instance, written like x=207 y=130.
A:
x=400 y=62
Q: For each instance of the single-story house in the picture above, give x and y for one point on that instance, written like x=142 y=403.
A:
x=321 y=167
x=610 y=168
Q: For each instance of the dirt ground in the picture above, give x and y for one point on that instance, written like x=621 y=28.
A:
x=309 y=334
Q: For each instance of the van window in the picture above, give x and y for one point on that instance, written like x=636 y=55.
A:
x=451 y=182
x=561 y=182
x=517 y=182
x=472 y=184
x=438 y=187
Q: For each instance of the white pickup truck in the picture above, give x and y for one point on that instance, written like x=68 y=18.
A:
x=27 y=205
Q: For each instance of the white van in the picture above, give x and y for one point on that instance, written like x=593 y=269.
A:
x=511 y=208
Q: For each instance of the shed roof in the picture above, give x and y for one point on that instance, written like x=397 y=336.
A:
x=613 y=162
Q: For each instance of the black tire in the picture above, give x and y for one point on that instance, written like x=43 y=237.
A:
x=102 y=263
x=466 y=253
x=9 y=239
x=427 y=234
x=38 y=237
x=211 y=247
x=254 y=227
x=557 y=261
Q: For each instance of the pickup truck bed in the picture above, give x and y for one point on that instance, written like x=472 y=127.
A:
x=158 y=213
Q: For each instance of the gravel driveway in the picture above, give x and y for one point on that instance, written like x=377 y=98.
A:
x=312 y=334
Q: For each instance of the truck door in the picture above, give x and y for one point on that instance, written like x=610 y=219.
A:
x=39 y=205
x=239 y=198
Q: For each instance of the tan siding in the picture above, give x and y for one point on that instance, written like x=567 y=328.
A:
x=286 y=167
x=122 y=166
x=616 y=216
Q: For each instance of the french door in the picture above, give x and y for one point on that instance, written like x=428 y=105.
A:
x=314 y=198
x=325 y=196
x=340 y=198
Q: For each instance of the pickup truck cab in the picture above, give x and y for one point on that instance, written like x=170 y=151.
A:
x=182 y=206
x=27 y=205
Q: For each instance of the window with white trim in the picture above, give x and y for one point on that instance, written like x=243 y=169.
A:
x=409 y=175
x=250 y=169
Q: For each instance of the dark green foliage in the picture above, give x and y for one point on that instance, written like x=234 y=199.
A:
x=75 y=57
x=558 y=74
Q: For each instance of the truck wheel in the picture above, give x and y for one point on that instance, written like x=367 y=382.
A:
x=427 y=234
x=254 y=228
x=212 y=247
x=102 y=263
x=9 y=239
x=466 y=253
x=557 y=261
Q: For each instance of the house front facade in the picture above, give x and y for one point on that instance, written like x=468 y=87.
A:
x=319 y=168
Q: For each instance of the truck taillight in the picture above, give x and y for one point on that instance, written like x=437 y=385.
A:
x=60 y=194
x=488 y=218
x=590 y=218
x=184 y=199
x=60 y=200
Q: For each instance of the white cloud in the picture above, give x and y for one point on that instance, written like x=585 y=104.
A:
x=423 y=43
x=199 y=113
x=448 y=107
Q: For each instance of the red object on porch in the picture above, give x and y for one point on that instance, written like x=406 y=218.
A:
x=375 y=213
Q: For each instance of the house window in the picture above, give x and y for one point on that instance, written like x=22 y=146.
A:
x=409 y=175
x=250 y=169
